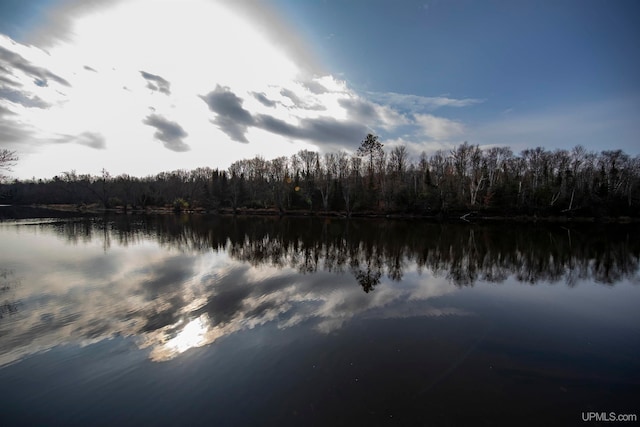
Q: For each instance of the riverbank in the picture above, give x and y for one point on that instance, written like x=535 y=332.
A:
x=456 y=216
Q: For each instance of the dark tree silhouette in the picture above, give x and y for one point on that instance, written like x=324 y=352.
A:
x=453 y=183
x=371 y=149
x=371 y=249
x=8 y=305
x=368 y=279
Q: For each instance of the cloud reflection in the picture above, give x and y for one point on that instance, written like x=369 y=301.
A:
x=170 y=301
x=193 y=334
x=173 y=284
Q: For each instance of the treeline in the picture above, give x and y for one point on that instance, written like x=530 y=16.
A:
x=492 y=181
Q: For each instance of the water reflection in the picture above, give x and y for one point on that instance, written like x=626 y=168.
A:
x=176 y=283
x=193 y=334
x=369 y=249
x=8 y=304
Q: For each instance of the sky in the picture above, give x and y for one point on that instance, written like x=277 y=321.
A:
x=145 y=86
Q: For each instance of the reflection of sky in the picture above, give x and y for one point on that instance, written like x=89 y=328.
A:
x=171 y=300
x=285 y=335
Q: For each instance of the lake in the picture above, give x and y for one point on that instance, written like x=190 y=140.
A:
x=209 y=320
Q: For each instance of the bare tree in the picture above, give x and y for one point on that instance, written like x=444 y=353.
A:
x=398 y=160
x=237 y=172
x=535 y=182
x=328 y=172
x=348 y=169
x=280 y=181
x=440 y=166
x=8 y=160
x=477 y=164
x=497 y=160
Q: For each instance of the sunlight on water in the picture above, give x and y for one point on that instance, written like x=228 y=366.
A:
x=295 y=309
x=174 y=285
x=192 y=335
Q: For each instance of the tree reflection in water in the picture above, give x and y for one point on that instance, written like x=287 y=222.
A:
x=369 y=249
x=368 y=279
x=8 y=282
x=178 y=282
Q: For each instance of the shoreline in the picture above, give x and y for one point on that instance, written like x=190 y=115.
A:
x=452 y=216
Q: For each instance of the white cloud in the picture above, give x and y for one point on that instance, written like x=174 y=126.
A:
x=117 y=79
x=416 y=145
x=416 y=103
x=122 y=91
x=372 y=114
x=439 y=128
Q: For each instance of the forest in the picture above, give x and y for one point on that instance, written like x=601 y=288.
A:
x=467 y=180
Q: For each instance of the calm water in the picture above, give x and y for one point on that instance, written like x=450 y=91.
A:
x=203 y=320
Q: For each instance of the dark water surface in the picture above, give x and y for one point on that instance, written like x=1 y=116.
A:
x=202 y=320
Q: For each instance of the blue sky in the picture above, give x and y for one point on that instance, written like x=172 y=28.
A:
x=516 y=55
x=204 y=83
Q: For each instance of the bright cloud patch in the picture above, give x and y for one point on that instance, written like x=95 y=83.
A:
x=98 y=91
x=439 y=128
x=418 y=103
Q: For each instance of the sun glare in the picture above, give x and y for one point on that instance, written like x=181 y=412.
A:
x=194 y=45
x=192 y=335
